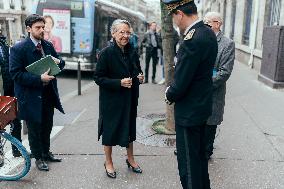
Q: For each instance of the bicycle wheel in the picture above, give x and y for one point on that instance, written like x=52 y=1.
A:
x=13 y=168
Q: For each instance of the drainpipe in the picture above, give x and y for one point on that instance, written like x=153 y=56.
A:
x=253 y=36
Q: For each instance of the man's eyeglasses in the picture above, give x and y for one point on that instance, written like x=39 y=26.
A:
x=210 y=21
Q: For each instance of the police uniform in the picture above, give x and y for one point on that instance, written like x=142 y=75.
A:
x=191 y=91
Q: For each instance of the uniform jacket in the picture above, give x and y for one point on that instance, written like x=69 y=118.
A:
x=224 y=66
x=28 y=86
x=191 y=89
x=117 y=104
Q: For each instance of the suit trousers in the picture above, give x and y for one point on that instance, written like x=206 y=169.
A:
x=16 y=123
x=16 y=132
x=192 y=164
x=210 y=132
x=39 y=133
x=151 y=53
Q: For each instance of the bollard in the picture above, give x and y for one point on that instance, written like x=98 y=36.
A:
x=79 y=74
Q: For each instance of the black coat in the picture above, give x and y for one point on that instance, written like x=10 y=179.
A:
x=191 y=89
x=28 y=86
x=117 y=104
x=8 y=83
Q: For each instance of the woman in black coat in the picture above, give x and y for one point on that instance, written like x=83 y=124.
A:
x=118 y=74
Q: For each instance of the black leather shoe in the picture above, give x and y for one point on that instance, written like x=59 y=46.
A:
x=41 y=165
x=109 y=174
x=175 y=152
x=50 y=157
x=134 y=169
x=154 y=81
x=16 y=153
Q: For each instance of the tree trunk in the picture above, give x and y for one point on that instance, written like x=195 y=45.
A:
x=168 y=42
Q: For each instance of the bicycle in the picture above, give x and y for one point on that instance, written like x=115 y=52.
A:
x=11 y=168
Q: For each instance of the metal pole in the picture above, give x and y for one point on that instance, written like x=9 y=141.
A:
x=79 y=75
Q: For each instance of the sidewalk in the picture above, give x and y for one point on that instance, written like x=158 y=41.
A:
x=249 y=150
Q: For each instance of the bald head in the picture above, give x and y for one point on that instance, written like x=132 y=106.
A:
x=214 y=19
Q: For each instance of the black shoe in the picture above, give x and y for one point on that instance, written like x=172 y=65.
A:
x=50 y=157
x=146 y=81
x=134 y=169
x=16 y=153
x=41 y=165
x=109 y=174
x=175 y=152
x=154 y=81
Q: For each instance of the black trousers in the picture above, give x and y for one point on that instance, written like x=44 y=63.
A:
x=39 y=133
x=192 y=164
x=16 y=123
x=210 y=132
x=16 y=132
x=151 y=53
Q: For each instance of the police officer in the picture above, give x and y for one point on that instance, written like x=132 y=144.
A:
x=191 y=91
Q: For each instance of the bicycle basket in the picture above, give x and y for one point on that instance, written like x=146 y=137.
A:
x=8 y=110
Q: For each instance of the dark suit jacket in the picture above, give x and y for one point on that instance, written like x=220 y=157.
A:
x=191 y=89
x=28 y=86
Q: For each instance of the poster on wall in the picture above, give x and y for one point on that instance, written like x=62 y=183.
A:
x=57 y=29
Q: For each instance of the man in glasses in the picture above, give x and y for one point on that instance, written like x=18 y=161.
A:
x=222 y=70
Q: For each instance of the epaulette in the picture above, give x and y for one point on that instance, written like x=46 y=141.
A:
x=189 y=35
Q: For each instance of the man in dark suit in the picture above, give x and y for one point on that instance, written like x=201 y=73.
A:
x=191 y=90
x=37 y=94
x=152 y=42
x=8 y=87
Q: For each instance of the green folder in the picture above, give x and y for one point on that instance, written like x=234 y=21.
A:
x=42 y=65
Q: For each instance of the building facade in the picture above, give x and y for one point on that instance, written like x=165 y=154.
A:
x=244 y=21
x=151 y=9
x=12 y=16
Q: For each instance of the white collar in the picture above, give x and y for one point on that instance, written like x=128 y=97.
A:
x=189 y=27
x=35 y=41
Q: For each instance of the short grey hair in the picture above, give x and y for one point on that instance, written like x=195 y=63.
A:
x=117 y=22
x=214 y=15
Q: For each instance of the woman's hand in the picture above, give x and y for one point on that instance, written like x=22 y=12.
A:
x=126 y=82
x=141 y=77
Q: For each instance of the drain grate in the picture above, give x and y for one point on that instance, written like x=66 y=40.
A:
x=155 y=116
x=147 y=136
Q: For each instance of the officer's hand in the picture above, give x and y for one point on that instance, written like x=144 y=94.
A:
x=45 y=78
x=166 y=100
x=126 y=82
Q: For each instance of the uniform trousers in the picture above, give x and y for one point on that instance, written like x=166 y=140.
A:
x=39 y=133
x=210 y=132
x=192 y=164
